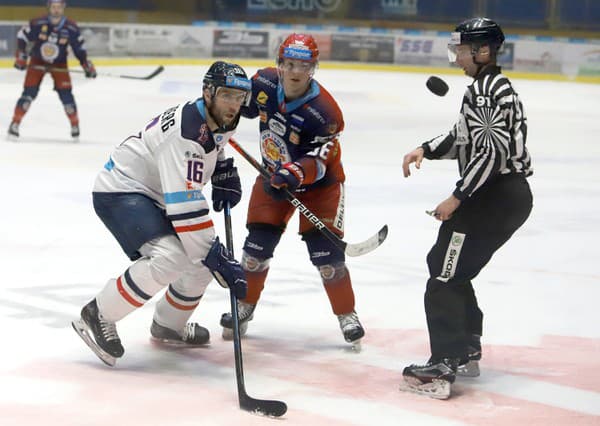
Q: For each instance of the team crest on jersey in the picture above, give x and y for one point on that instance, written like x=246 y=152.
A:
x=262 y=98
x=49 y=51
x=273 y=149
x=332 y=128
x=294 y=138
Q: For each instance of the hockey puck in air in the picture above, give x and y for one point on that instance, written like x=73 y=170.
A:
x=436 y=85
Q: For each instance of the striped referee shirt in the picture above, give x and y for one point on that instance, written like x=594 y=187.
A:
x=489 y=138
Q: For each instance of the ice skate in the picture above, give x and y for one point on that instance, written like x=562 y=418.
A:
x=245 y=314
x=469 y=367
x=433 y=379
x=193 y=335
x=13 y=131
x=100 y=335
x=75 y=132
x=351 y=328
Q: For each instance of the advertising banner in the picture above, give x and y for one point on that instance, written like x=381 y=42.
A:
x=8 y=39
x=96 y=39
x=506 y=56
x=241 y=43
x=156 y=40
x=581 y=60
x=362 y=48
x=535 y=56
x=303 y=8
x=421 y=50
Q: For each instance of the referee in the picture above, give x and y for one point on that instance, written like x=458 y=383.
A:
x=489 y=203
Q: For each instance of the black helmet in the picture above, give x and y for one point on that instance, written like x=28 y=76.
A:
x=478 y=32
x=225 y=74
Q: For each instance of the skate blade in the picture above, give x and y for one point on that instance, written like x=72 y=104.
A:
x=178 y=344
x=227 y=333
x=470 y=369
x=355 y=346
x=437 y=389
x=12 y=138
x=82 y=329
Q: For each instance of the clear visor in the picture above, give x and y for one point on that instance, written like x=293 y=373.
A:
x=452 y=53
x=294 y=65
x=233 y=96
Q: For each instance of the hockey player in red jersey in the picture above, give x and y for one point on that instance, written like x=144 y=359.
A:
x=300 y=125
x=149 y=195
x=44 y=42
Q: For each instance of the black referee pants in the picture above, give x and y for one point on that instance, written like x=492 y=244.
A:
x=465 y=244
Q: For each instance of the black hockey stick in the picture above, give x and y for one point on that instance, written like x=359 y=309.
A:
x=265 y=407
x=153 y=74
x=351 y=250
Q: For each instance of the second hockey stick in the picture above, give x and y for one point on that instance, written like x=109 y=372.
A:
x=351 y=250
x=153 y=74
x=265 y=407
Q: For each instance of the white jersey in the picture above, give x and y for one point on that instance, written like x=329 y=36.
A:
x=170 y=161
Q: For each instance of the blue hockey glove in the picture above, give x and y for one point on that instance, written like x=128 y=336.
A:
x=226 y=186
x=226 y=270
x=289 y=175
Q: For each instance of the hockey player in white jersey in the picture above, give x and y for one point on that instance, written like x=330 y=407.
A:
x=149 y=195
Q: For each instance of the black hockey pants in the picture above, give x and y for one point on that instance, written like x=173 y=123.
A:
x=465 y=244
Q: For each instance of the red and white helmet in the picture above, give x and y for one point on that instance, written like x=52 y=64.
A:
x=302 y=47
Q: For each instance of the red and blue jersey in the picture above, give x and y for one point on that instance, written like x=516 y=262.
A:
x=305 y=130
x=49 y=42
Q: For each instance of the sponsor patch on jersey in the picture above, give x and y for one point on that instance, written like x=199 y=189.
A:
x=294 y=138
x=315 y=113
x=263 y=116
x=281 y=117
x=277 y=127
x=338 y=221
x=262 y=98
x=203 y=133
x=273 y=149
x=297 y=118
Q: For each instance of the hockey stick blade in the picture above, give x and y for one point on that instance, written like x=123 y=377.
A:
x=367 y=246
x=153 y=74
x=264 y=407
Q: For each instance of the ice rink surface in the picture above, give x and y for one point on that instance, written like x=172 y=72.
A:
x=540 y=293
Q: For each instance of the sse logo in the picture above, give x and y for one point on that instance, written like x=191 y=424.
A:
x=407 y=45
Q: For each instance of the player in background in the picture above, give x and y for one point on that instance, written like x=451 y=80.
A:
x=44 y=41
x=300 y=125
x=490 y=201
x=149 y=195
